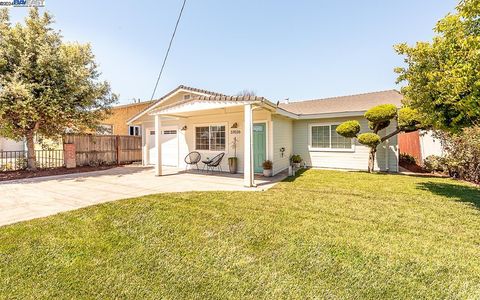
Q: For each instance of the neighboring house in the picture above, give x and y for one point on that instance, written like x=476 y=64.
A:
x=189 y=119
x=116 y=123
x=11 y=145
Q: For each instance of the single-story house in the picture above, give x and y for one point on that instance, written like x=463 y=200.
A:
x=189 y=119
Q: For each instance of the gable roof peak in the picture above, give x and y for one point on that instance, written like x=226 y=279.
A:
x=195 y=90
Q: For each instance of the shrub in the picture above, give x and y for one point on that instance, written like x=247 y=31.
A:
x=381 y=113
x=434 y=163
x=369 y=139
x=267 y=165
x=408 y=119
x=348 y=129
x=463 y=154
x=296 y=159
x=407 y=159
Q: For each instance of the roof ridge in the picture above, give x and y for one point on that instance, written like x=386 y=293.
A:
x=193 y=89
x=133 y=104
x=344 y=96
x=226 y=97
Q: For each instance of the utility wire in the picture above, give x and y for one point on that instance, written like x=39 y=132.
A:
x=168 y=50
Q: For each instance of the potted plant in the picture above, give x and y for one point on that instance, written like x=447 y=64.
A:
x=267 y=168
x=296 y=160
x=233 y=161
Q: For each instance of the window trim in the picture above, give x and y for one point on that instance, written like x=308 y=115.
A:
x=209 y=125
x=311 y=148
x=135 y=126
x=105 y=126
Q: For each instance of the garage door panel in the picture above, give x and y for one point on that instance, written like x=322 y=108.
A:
x=169 y=147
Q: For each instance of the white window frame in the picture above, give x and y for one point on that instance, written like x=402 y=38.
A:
x=134 y=126
x=311 y=148
x=106 y=127
x=209 y=125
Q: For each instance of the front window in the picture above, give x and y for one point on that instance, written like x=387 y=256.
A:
x=326 y=137
x=134 y=130
x=210 y=138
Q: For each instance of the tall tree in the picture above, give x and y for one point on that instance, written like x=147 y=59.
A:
x=443 y=76
x=380 y=117
x=46 y=86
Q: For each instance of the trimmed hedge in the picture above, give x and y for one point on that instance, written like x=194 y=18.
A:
x=381 y=113
x=349 y=129
x=408 y=119
x=369 y=139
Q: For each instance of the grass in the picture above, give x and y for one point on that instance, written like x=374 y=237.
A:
x=325 y=234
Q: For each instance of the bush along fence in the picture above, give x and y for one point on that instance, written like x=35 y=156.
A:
x=79 y=150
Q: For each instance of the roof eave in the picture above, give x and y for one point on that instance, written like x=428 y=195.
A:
x=332 y=115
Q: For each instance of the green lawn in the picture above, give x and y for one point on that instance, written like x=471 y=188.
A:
x=325 y=234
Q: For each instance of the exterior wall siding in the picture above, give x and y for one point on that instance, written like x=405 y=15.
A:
x=355 y=160
x=121 y=114
x=282 y=138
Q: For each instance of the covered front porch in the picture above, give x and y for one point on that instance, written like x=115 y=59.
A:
x=236 y=127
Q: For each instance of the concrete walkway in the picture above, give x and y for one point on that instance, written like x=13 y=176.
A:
x=27 y=199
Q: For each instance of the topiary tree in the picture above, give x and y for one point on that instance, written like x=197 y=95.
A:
x=380 y=117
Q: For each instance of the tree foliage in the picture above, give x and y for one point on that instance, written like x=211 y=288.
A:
x=443 y=76
x=379 y=118
x=46 y=86
x=349 y=129
x=409 y=119
x=381 y=113
x=369 y=139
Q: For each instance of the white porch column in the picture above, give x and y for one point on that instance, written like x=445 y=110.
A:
x=158 y=143
x=248 y=144
x=145 y=146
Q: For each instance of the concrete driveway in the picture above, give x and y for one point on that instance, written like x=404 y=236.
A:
x=27 y=199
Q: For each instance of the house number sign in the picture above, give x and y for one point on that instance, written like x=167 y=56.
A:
x=235 y=131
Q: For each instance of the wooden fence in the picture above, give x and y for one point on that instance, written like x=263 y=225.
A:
x=105 y=149
x=409 y=143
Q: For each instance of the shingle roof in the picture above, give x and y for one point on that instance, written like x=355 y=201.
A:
x=184 y=87
x=180 y=87
x=230 y=98
x=352 y=103
x=132 y=104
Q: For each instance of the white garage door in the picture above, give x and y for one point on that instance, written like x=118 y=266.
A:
x=169 y=146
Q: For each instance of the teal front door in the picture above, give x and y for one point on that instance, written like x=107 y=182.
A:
x=259 y=146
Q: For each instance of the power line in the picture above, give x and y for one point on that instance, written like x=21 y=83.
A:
x=168 y=50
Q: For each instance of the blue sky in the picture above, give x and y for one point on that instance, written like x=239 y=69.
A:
x=280 y=49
